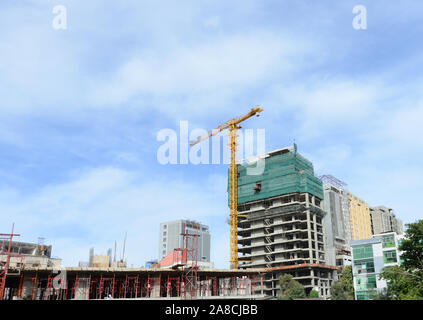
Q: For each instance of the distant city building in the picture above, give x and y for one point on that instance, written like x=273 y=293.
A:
x=30 y=255
x=370 y=256
x=171 y=238
x=336 y=222
x=360 y=221
x=384 y=220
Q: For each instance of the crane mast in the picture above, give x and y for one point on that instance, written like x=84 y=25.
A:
x=232 y=126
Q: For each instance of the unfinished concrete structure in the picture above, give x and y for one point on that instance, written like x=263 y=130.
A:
x=281 y=222
x=103 y=261
x=129 y=283
x=336 y=222
x=29 y=254
x=100 y=261
x=383 y=220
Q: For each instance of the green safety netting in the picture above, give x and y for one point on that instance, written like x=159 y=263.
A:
x=283 y=173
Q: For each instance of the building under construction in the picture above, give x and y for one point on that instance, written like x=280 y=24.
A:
x=336 y=222
x=28 y=254
x=280 y=224
x=83 y=283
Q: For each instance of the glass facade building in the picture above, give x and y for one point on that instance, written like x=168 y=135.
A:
x=370 y=257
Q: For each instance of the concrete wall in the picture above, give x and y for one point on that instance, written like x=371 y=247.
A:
x=100 y=261
x=336 y=223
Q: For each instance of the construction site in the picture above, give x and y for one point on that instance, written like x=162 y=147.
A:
x=276 y=227
x=131 y=283
x=29 y=273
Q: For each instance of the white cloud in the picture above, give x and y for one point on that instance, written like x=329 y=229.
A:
x=322 y=104
x=98 y=206
x=223 y=63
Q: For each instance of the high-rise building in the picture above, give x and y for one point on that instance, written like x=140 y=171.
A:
x=370 y=256
x=336 y=222
x=360 y=222
x=171 y=238
x=384 y=220
x=280 y=225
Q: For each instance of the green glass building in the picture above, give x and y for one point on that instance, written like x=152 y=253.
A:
x=370 y=257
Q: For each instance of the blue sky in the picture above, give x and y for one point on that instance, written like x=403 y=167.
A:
x=81 y=109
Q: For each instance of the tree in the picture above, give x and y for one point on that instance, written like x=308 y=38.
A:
x=343 y=289
x=402 y=284
x=412 y=246
x=313 y=294
x=405 y=282
x=290 y=288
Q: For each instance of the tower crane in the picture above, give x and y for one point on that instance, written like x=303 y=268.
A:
x=232 y=125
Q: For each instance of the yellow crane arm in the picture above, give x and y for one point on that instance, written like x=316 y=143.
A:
x=254 y=111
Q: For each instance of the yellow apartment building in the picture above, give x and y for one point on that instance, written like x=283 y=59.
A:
x=360 y=221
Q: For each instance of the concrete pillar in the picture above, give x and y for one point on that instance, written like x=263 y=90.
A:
x=81 y=293
x=27 y=289
x=155 y=289
x=310 y=249
x=316 y=246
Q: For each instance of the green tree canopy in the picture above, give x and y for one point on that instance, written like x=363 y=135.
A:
x=412 y=246
x=405 y=282
x=402 y=284
x=313 y=294
x=290 y=289
x=343 y=289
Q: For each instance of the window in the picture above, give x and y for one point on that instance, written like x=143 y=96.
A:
x=362 y=252
x=257 y=187
x=362 y=295
x=364 y=283
x=364 y=266
x=388 y=241
x=390 y=256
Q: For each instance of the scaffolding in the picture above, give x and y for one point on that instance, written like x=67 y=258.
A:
x=190 y=243
x=160 y=284
x=334 y=181
x=6 y=238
